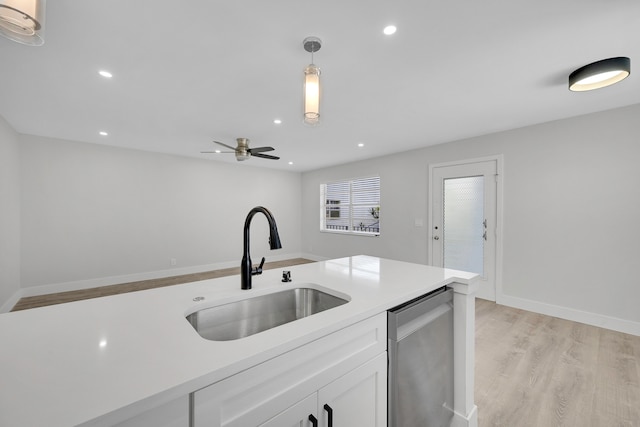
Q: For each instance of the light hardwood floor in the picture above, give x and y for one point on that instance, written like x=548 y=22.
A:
x=62 y=297
x=540 y=371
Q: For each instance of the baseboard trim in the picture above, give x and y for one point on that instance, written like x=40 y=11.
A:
x=470 y=420
x=135 y=277
x=594 y=319
x=12 y=301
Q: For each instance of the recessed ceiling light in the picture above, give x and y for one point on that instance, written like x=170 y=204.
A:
x=218 y=151
x=290 y=163
x=105 y=74
x=277 y=121
x=103 y=133
x=389 y=29
x=361 y=144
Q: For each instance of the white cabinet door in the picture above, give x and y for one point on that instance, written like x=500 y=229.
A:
x=358 y=398
x=296 y=416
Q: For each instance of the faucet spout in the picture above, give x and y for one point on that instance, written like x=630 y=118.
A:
x=246 y=267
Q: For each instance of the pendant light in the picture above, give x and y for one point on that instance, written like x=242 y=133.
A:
x=600 y=74
x=312 y=84
x=23 y=21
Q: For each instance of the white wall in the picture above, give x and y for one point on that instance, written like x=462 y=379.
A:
x=571 y=212
x=9 y=213
x=94 y=214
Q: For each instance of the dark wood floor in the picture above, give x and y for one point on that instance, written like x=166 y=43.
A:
x=62 y=297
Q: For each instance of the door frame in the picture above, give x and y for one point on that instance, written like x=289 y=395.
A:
x=499 y=159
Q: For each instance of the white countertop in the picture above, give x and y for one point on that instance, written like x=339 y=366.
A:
x=109 y=358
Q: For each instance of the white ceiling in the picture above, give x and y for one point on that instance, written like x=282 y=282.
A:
x=191 y=71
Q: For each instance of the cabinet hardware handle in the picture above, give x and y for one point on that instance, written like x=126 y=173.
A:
x=314 y=421
x=329 y=413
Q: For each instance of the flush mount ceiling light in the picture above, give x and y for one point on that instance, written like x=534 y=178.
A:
x=600 y=74
x=23 y=21
x=312 y=84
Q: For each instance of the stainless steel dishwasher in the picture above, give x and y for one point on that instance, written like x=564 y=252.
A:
x=420 y=378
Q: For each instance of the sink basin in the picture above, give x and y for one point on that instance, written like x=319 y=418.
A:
x=252 y=315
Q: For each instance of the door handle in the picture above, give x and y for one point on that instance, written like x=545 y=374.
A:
x=314 y=421
x=436 y=237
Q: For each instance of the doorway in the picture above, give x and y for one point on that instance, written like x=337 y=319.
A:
x=464 y=220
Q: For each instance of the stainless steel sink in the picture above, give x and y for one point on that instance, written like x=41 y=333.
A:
x=252 y=315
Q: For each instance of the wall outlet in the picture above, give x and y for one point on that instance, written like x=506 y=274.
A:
x=173 y=261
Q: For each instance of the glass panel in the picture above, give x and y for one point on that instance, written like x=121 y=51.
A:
x=366 y=219
x=366 y=191
x=463 y=224
x=337 y=206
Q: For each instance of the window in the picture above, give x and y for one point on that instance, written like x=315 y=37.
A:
x=351 y=206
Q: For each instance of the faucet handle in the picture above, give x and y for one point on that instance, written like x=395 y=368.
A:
x=286 y=276
x=258 y=269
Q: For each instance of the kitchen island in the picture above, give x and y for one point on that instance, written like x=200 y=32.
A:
x=122 y=358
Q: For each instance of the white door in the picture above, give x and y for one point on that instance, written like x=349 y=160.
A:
x=463 y=231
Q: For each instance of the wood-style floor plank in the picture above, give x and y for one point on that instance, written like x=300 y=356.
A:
x=62 y=297
x=539 y=371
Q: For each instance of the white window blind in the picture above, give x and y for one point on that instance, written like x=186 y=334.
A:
x=351 y=206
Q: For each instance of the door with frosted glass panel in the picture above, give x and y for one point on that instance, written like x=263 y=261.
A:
x=463 y=225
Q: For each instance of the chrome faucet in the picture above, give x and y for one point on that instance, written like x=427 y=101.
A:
x=246 y=268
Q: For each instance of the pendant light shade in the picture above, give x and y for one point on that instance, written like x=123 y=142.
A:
x=312 y=95
x=600 y=74
x=312 y=84
x=23 y=21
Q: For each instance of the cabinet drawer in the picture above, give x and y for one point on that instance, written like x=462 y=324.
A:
x=257 y=394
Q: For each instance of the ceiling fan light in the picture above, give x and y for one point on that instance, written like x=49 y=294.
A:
x=23 y=21
x=600 y=74
x=242 y=150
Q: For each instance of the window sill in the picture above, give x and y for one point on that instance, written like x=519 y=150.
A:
x=351 y=233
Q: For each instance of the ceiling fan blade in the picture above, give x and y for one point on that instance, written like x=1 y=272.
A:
x=265 y=156
x=225 y=145
x=260 y=149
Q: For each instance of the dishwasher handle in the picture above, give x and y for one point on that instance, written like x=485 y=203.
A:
x=406 y=318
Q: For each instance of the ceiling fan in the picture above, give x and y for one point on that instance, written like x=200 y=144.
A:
x=243 y=152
